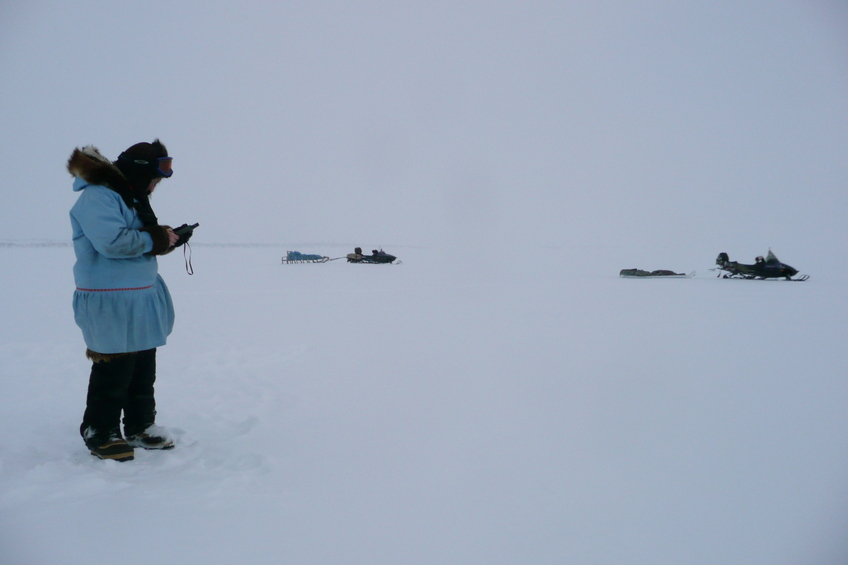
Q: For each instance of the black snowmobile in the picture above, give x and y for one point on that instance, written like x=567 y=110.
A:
x=768 y=268
x=379 y=257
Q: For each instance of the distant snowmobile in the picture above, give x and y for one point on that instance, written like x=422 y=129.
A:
x=768 y=268
x=375 y=257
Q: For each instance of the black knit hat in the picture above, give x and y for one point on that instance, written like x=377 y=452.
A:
x=144 y=162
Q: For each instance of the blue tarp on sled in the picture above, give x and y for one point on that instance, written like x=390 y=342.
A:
x=298 y=257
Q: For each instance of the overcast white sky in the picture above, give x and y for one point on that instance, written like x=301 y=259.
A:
x=650 y=134
x=702 y=125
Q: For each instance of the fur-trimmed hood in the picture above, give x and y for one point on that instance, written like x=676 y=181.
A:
x=91 y=166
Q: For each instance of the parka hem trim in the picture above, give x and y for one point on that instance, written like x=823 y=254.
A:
x=113 y=289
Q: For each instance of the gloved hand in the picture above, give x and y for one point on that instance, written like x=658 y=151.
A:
x=185 y=232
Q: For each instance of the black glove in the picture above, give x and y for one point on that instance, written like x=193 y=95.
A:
x=185 y=232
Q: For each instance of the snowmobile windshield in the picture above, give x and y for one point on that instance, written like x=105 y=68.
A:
x=771 y=258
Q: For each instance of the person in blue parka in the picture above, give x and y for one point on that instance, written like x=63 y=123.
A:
x=121 y=304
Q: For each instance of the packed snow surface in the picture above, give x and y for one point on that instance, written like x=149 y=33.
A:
x=454 y=409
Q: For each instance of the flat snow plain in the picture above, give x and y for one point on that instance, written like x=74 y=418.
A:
x=484 y=409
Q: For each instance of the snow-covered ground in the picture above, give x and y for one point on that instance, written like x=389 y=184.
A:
x=487 y=409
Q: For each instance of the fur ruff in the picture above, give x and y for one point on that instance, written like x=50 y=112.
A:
x=103 y=357
x=92 y=167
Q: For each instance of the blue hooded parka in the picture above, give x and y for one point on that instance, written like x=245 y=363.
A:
x=121 y=303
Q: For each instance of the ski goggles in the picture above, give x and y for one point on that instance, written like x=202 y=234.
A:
x=162 y=164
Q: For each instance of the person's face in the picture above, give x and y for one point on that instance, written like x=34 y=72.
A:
x=152 y=186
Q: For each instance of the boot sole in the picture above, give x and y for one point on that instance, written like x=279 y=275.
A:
x=115 y=457
x=152 y=447
x=114 y=450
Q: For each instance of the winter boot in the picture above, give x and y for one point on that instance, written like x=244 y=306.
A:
x=151 y=438
x=111 y=446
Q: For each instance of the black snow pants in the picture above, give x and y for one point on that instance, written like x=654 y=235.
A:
x=122 y=383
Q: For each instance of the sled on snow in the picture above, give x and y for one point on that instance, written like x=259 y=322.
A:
x=298 y=257
x=660 y=274
x=769 y=267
